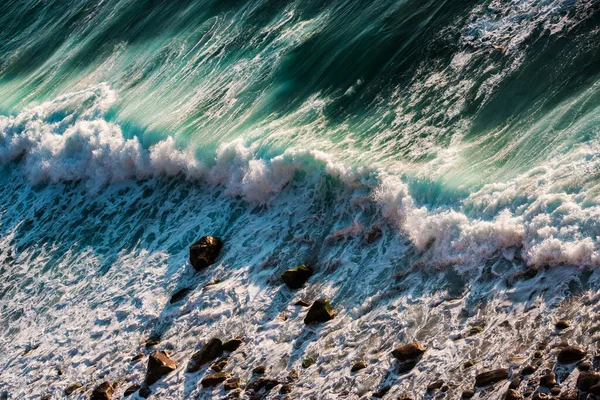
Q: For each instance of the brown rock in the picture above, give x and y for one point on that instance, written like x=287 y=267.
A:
x=539 y=396
x=260 y=370
x=410 y=351
x=468 y=364
x=467 y=394
x=569 y=395
x=214 y=379
x=159 y=365
x=491 y=377
x=382 y=392
x=293 y=376
x=262 y=383
x=595 y=389
x=528 y=370
x=295 y=278
x=515 y=383
x=587 y=379
x=231 y=383
x=513 y=394
x=358 y=366
x=405 y=396
x=145 y=391
x=232 y=344
x=285 y=389
x=562 y=324
x=137 y=357
x=104 y=391
x=570 y=354
x=205 y=251
x=548 y=380
x=72 y=388
x=301 y=303
x=210 y=351
x=435 y=385
x=584 y=366
x=219 y=365
x=555 y=391
x=131 y=390
x=320 y=311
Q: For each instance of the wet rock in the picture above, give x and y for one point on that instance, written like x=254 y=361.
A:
x=145 y=391
x=285 y=389
x=513 y=394
x=408 y=352
x=205 y=251
x=295 y=278
x=595 y=389
x=539 y=396
x=292 y=376
x=104 y=391
x=151 y=342
x=131 y=390
x=569 y=395
x=405 y=396
x=491 y=377
x=528 y=370
x=46 y=397
x=358 y=366
x=219 y=365
x=137 y=357
x=159 y=365
x=570 y=354
x=231 y=383
x=320 y=311
x=562 y=324
x=584 y=366
x=555 y=391
x=587 y=379
x=515 y=383
x=548 y=380
x=179 y=295
x=444 y=388
x=468 y=364
x=467 y=394
x=307 y=362
x=232 y=344
x=406 y=366
x=260 y=370
x=72 y=388
x=265 y=384
x=435 y=385
x=538 y=354
x=209 y=352
x=214 y=379
x=235 y=394
x=475 y=330
x=301 y=303
x=382 y=392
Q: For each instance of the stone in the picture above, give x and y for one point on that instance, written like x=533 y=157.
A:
x=145 y=391
x=307 y=362
x=320 y=311
x=528 y=370
x=410 y=351
x=212 y=350
x=301 y=303
x=262 y=383
x=131 y=390
x=569 y=395
x=595 y=389
x=72 y=388
x=285 y=389
x=159 y=365
x=515 y=383
x=382 y=392
x=475 y=330
x=491 y=377
x=435 y=385
x=179 y=295
x=548 y=380
x=570 y=354
x=260 y=370
x=587 y=379
x=232 y=344
x=151 y=342
x=295 y=278
x=467 y=394
x=214 y=379
x=205 y=251
x=562 y=324
x=538 y=354
x=468 y=364
x=584 y=366
x=513 y=394
x=539 y=396
x=137 y=357
x=292 y=376
x=231 y=383
x=555 y=391
x=219 y=365
x=104 y=391
x=405 y=396
x=358 y=366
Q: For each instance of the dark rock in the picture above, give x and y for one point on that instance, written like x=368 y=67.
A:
x=159 y=365
x=570 y=354
x=491 y=377
x=301 y=303
x=307 y=362
x=214 y=379
x=548 y=380
x=539 y=396
x=595 y=389
x=292 y=376
x=555 y=391
x=382 y=392
x=475 y=330
x=205 y=251
x=584 y=366
x=358 y=366
x=467 y=394
x=179 y=295
x=262 y=383
x=285 y=389
x=219 y=365
x=232 y=344
x=570 y=395
x=151 y=342
x=145 y=391
x=46 y=397
x=104 y=391
x=260 y=370
x=468 y=364
x=562 y=324
x=210 y=351
x=538 y=354
x=231 y=383
x=528 y=370
x=410 y=351
x=515 y=383
x=406 y=366
x=444 y=388
x=528 y=393
x=405 y=396
x=513 y=394
x=320 y=311
x=72 y=388
x=295 y=278
x=131 y=390
x=137 y=357
x=435 y=385
x=587 y=379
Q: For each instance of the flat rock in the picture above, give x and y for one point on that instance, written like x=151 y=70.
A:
x=205 y=251
x=209 y=352
x=159 y=365
x=320 y=311
x=410 y=351
x=491 y=377
x=214 y=379
x=295 y=278
x=571 y=354
x=104 y=391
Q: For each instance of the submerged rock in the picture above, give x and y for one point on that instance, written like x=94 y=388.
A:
x=72 y=388
x=295 y=278
x=232 y=344
x=210 y=351
x=104 y=391
x=215 y=379
x=570 y=354
x=491 y=377
x=205 y=251
x=320 y=311
x=159 y=365
x=409 y=352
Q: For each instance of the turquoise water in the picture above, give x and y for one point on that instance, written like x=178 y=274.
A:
x=467 y=133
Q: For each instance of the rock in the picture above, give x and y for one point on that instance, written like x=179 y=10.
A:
x=295 y=278
x=475 y=330
x=179 y=295
x=562 y=324
x=151 y=342
x=569 y=395
x=382 y=392
x=374 y=234
x=405 y=396
x=205 y=251
x=528 y=370
x=307 y=362
x=214 y=379
x=595 y=389
x=410 y=351
x=145 y=391
x=137 y=357
x=587 y=379
x=435 y=385
x=555 y=391
x=292 y=376
x=548 y=380
x=285 y=389
x=538 y=354
x=570 y=354
x=515 y=383
x=131 y=390
x=219 y=365
x=260 y=370
x=262 y=383
x=104 y=391
x=301 y=303
x=539 y=396
x=231 y=383
x=584 y=366
x=232 y=344
x=528 y=393
x=513 y=394
x=46 y=397
x=210 y=351
x=159 y=365
x=358 y=366
x=468 y=364
x=491 y=377
x=320 y=311
x=72 y=388
x=467 y=394
x=406 y=366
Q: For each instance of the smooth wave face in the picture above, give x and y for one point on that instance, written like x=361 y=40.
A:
x=436 y=163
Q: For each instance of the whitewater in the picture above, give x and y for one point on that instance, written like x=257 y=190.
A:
x=436 y=164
